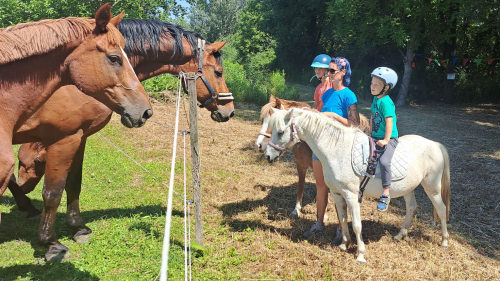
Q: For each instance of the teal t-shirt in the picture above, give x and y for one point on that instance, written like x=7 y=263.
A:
x=381 y=109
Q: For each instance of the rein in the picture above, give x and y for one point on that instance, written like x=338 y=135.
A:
x=214 y=95
x=294 y=133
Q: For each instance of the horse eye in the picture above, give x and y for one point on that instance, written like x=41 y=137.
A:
x=115 y=59
x=218 y=73
x=280 y=132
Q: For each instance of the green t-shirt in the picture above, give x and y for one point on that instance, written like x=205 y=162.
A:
x=381 y=109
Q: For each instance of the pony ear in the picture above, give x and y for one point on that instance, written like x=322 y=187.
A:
x=215 y=47
x=116 y=20
x=278 y=103
x=289 y=114
x=102 y=18
x=272 y=98
x=275 y=109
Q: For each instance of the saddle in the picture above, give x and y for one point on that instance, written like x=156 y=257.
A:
x=365 y=161
x=362 y=159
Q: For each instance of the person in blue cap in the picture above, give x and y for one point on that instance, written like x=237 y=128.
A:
x=320 y=64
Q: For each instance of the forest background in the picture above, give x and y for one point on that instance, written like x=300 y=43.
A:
x=272 y=43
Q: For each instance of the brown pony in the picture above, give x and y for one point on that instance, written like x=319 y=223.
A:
x=302 y=152
x=38 y=58
x=58 y=149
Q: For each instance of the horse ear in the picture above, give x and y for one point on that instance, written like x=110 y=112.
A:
x=278 y=103
x=289 y=114
x=116 y=20
x=215 y=47
x=275 y=109
x=102 y=18
x=272 y=99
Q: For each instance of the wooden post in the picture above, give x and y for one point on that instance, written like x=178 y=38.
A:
x=195 y=156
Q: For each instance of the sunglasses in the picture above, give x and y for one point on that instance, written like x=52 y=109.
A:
x=331 y=70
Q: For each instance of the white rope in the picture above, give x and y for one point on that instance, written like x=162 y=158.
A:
x=185 y=218
x=166 y=237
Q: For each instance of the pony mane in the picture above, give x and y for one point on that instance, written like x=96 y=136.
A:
x=266 y=109
x=319 y=125
x=34 y=38
x=140 y=33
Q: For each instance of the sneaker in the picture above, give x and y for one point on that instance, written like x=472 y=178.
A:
x=383 y=203
x=317 y=227
x=338 y=237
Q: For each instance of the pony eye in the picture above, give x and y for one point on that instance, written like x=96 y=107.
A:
x=115 y=59
x=218 y=73
x=280 y=132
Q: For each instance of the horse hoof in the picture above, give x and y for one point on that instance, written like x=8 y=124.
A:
x=57 y=252
x=83 y=235
x=445 y=245
x=343 y=247
x=361 y=261
x=295 y=214
x=82 y=239
x=57 y=257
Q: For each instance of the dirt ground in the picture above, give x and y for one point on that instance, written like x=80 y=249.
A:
x=247 y=203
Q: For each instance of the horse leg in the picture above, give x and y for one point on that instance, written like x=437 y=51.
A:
x=411 y=206
x=341 y=205
x=73 y=190
x=353 y=204
x=7 y=162
x=58 y=163
x=301 y=170
x=23 y=202
x=434 y=194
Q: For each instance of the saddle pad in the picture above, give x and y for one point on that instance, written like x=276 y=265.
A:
x=360 y=154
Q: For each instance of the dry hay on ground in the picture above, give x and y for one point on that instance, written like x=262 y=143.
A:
x=247 y=203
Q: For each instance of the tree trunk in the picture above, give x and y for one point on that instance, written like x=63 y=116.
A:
x=405 y=82
x=449 y=47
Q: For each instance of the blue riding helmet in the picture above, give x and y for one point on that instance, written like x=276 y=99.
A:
x=321 y=61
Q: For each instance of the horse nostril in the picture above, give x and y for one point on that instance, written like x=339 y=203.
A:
x=231 y=115
x=147 y=114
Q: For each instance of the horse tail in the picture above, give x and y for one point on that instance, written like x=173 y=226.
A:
x=445 y=183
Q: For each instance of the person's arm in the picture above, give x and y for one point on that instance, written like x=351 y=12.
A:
x=315 y=104
x=388 y=132
x=353 y=116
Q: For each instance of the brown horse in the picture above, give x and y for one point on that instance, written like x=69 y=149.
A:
x=60 y=152
x=38 y=58
x=302 y=152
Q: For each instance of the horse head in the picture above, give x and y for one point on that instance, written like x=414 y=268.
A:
x=219 y=101
x=100 y=63
x=283 y=125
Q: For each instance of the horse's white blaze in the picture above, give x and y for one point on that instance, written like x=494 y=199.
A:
x=128 y=62
x=263 y=130
x=331 y=142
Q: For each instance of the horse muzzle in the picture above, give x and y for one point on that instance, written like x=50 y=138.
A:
x=218 y=116
x=130 y=122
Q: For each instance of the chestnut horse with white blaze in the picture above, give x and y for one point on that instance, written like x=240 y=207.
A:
x=332 y=143
x=38 y=58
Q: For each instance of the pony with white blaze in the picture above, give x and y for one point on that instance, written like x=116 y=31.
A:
x=332 y=143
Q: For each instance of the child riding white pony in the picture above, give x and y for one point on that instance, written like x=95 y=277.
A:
x=332 y=143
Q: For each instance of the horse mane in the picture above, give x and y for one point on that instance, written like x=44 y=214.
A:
x=24 y=40
x=319 y=125
x=140 y=33
x=266 y=109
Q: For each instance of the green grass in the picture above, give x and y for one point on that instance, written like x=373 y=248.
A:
x=123 y=205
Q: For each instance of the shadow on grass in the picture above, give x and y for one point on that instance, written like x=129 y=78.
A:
x=15 y=226
x=56 y=272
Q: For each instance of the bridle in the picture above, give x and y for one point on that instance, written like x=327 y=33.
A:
x=199 y=74
x=292 y=136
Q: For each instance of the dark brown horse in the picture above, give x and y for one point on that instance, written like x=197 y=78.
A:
x=60 y=144
x=38 y=58
x=302 y=152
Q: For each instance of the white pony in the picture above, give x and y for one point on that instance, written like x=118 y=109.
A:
x=332 y=143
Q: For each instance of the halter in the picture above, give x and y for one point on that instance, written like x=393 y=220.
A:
x=294 y=133
x=218 y=96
